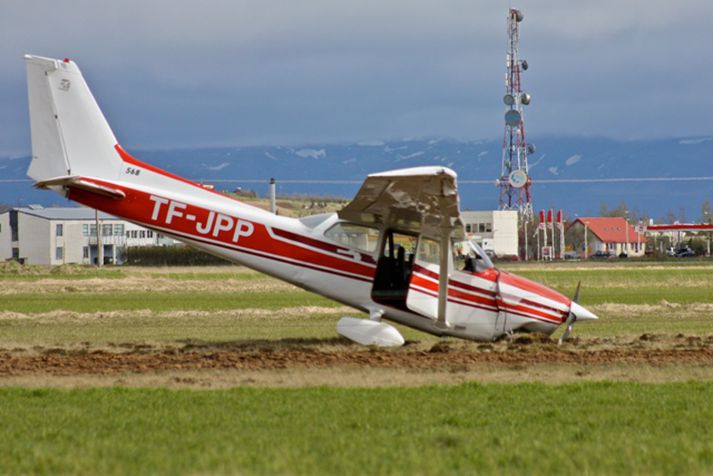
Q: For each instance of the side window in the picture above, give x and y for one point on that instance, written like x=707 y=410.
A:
x=354 y=236
x=429 y=251
x=398 y=241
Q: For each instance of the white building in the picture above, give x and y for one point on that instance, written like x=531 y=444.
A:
x=495 y=230
x=53 y=236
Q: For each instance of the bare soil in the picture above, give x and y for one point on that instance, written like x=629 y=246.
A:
x=304 y=362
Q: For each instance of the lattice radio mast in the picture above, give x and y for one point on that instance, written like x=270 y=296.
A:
x=515 y=182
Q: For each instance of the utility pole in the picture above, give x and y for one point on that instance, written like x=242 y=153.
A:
x=626 y=227
x=586 y=248
x=273 y=196
x=100 y=245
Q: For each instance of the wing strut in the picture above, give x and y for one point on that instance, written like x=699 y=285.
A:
x=442 y=321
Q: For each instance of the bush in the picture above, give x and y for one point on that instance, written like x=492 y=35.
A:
x=170 y=256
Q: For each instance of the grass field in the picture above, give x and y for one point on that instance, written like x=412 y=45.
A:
x=603 y=428
x=621 y=427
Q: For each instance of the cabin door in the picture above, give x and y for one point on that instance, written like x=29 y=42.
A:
x=393 y=270
x=423 y=285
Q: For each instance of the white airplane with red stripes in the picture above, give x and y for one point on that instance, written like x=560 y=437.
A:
x=398 y=251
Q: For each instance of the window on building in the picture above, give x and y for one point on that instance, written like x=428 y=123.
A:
x=59 y=229
x=59 y=253
x=611 y=246
x=142 y=234
x=149 y=234
x=468 y=228
x=488 y=228
x=481 y=227
x=85 y=252
x=14 y=227
x=85 y=229
x=106 y=230
x=119 y=229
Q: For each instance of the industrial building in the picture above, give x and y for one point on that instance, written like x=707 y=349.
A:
x=496 y=231
x=53 y=236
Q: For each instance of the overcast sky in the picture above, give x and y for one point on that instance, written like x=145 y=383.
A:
x=235 y=72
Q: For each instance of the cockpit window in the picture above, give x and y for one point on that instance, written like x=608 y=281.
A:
x=354 y=236
x=469 y=257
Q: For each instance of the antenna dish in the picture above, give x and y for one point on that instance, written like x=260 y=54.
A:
x=531 y=148
x=524 y=65
x=513 y=118
x=518 y=15
x=508 y=99
x=525 y=98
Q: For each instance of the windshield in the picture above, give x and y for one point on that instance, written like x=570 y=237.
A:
x=469 y=256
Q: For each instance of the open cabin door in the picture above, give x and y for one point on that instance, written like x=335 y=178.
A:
x=423 y=284
x=393 y=270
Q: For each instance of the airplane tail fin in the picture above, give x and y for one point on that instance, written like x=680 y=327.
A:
x=70 y=136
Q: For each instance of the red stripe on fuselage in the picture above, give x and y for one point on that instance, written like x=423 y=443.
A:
x=529 y=309
x=139 y=207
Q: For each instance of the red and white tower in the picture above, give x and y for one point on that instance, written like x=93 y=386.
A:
x=515 y=182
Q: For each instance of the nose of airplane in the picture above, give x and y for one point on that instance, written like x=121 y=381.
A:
x=582 y=313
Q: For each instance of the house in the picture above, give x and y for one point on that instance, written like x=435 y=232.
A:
x=60 y=235
x=496 y=231
x=613 y=235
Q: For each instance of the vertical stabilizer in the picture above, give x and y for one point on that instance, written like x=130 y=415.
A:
x=70 y=135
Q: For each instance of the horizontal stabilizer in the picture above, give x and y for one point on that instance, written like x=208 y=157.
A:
x=80 y=183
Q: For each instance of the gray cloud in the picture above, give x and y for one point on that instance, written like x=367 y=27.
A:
x=173 y=73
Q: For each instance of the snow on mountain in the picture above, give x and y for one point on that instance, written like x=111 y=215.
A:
x=312 y=153
x=220 y=166
x=573 y=160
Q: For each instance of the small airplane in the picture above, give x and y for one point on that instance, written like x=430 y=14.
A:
x=398 y=251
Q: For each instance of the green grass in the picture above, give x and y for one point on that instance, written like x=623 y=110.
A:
x=629 y=285
x=594 y=428
x=620 y=284
x=88 y=302
x=131 y=328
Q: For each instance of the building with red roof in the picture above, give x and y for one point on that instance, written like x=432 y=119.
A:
x=613 y=235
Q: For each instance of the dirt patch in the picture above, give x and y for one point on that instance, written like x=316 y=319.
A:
x=310 y=355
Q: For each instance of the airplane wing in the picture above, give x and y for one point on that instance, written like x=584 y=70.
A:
x=419 y=199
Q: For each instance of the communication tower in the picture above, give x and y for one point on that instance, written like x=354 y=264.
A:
x=515 y=182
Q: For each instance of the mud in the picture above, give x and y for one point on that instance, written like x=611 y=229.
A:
x=647 y=350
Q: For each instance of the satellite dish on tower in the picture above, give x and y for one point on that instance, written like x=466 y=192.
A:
x=525 y=98
x=513 y=118
x=508 y=99
x=518 y=15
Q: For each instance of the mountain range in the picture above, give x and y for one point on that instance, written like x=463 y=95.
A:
x=555 y=158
